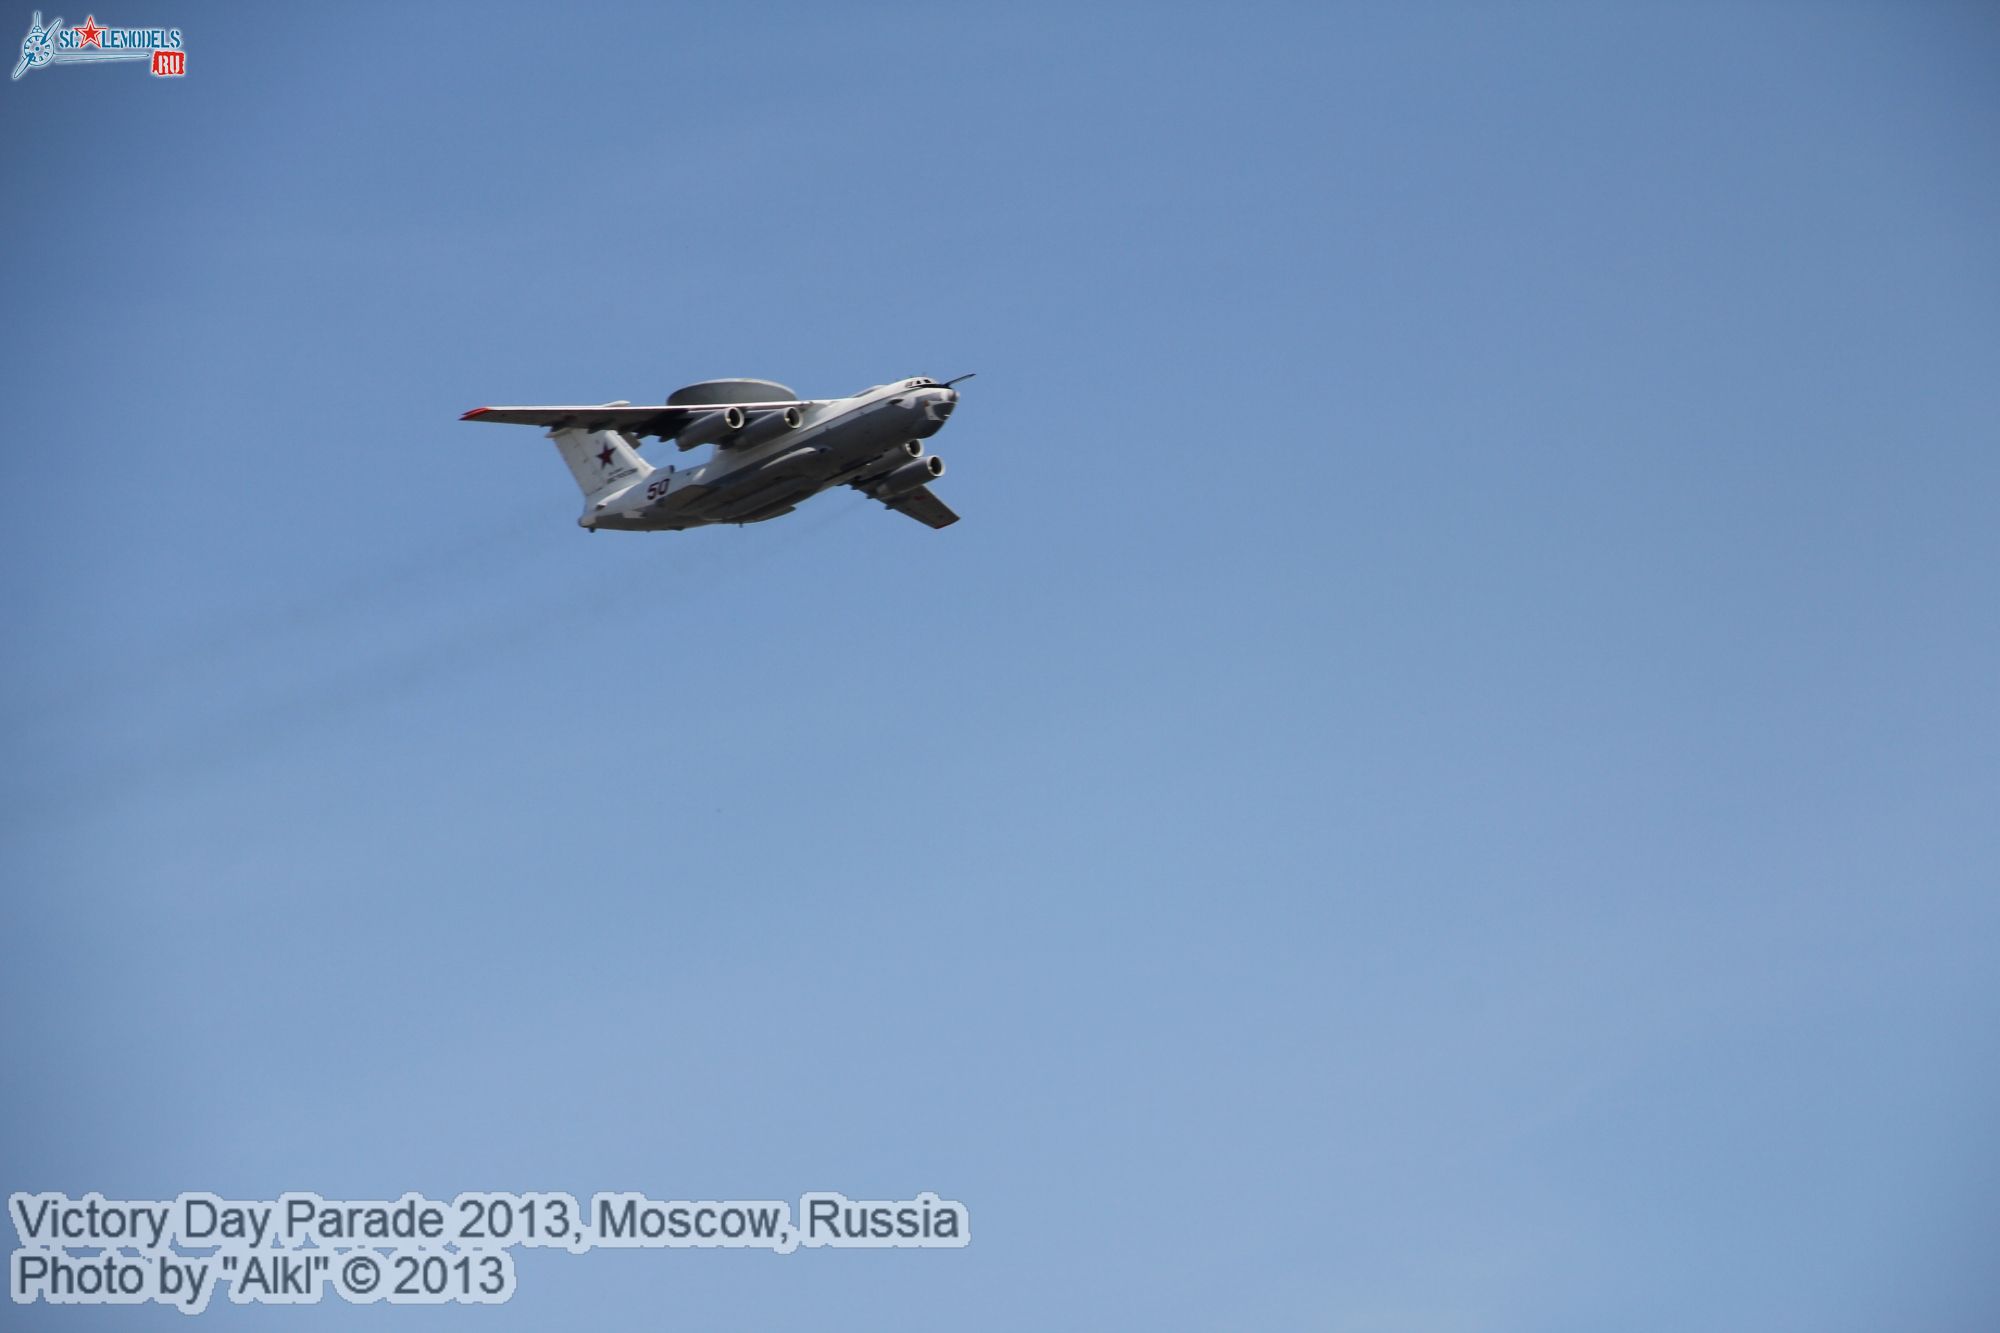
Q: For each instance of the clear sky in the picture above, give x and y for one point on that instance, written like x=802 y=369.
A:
x=1446 y=781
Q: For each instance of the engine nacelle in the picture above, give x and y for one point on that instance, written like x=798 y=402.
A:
x=917 y=472
x=711 y=427
x=767 y=426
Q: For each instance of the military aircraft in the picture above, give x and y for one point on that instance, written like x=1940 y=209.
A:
x=773 y=450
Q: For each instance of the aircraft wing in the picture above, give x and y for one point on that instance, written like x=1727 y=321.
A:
x=657 y=420
x=924 y=507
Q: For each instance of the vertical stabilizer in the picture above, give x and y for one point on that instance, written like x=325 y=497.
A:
x=602 y=461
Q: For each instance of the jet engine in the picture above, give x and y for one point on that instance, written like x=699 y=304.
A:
x=917 y=472
x=710 y=427
x=767 y=426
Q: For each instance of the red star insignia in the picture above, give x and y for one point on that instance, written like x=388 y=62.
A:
x=604 y=456
x=88 y=33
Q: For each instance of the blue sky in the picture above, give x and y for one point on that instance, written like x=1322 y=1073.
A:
x=1446 y=780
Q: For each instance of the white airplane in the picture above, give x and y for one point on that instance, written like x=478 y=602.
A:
x=773 y=450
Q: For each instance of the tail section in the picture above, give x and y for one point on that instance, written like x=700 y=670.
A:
x=602 y=461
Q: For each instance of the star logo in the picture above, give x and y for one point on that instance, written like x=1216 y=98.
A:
x=88 y=33
x=604 y=456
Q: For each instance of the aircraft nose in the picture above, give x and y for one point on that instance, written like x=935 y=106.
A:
x=941 y=404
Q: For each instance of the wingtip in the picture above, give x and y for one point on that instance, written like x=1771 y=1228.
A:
x=474 y=412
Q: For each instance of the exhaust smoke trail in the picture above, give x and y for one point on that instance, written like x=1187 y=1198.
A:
x=234 y=736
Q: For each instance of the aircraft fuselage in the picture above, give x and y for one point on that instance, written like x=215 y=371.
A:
x=842 y=440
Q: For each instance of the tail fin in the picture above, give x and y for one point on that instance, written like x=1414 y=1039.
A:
x=602 y=461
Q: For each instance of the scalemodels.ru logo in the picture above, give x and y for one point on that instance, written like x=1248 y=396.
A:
x=92 y=45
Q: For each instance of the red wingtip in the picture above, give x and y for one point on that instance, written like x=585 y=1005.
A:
x=474 y=412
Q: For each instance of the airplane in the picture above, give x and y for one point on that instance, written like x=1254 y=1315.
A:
x=772 y=451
